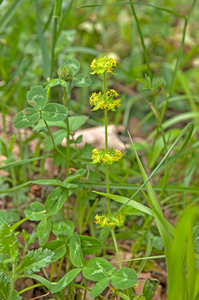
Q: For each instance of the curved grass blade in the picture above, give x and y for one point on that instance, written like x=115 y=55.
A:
x=43 y=44
x=9 y=14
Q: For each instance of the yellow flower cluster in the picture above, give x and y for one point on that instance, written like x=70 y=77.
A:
x=109 y=102
x=103 y=65
x=107 y=220
x=109 y=157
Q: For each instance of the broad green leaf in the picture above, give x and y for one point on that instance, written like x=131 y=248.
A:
x=57 y=247
x=89 y=245
x=73 y=65
x=76 y=255
x=54 y=112
x=96 y=269
x=35 y=260
x=36 y=97
x=43 y=231
x=35 y=207
x=150 y=286
x=99 y=287
x=81 y=80
x=63 y=229
x=77 y=122
x=8 y=243
x=66 y=279
x=75 y=175
x=54 y=82
x=55 y=201
x=124 y=278
x=25 y=118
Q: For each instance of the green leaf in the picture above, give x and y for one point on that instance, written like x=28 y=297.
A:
x=99 y=287
x=124 y=278
x=150 y=286
x=96 y=269
x=81 y=80
x=73 y=65
x=43 y=231
x=36 y=97
x=5 y=288
x=35 y=260
x=8 y=243
x=25 y=118
x=77 y=122
x=9 y=13
x=54 y=112
x=142 y=80
x=63 y=229
x=62 y=283
x=76 y=255
x=57 y=247
x=55 y=201
x=54 y=82
x=75 y=175
x=54 y=182
x=89 y=245
x=43 y=43
x=195 y=231
x=3 y=216
x=35 y=207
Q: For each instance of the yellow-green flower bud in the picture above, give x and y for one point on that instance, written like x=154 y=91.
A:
x=65 y=73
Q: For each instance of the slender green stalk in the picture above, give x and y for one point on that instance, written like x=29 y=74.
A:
x=142 y=40
x=13 y=280
x=54 y=32
x=107 y=175
x=54 y=141
x=106 y=144
x=159 y=123
x=116 y=247
x=177 y=61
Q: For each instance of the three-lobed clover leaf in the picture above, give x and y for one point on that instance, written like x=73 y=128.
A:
x=37 y=98
x=68 y=72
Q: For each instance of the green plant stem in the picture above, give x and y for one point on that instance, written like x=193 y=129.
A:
x=58 y=4
x=13 y=280
x=159 y=122
x=65 y=102
x=107 y=174
x=116 y=247
x=142 y=40
x=54 y=141
x=106 y=144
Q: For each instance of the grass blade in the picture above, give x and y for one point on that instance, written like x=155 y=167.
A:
x=43 y=44
x=9 y=14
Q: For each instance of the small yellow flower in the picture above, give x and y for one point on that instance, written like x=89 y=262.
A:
x=109 y=220
x=103 y=65
x=102 y=156
x=109 y=101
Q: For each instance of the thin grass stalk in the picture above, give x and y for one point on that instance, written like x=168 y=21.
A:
x=58 y=4
x=178 y=60
x=142 y=40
